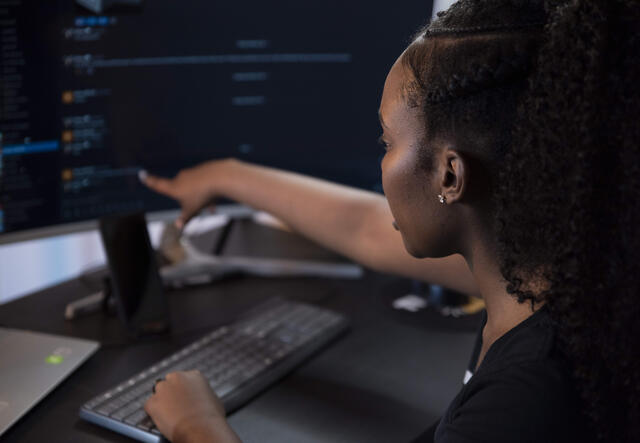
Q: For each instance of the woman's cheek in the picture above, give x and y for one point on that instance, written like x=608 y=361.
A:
x=394 y=185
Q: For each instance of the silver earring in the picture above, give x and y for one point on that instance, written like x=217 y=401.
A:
x=442 y=198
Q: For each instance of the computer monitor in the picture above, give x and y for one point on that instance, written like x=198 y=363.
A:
x=95 y=90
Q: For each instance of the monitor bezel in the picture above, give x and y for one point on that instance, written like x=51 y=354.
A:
x=229 y=209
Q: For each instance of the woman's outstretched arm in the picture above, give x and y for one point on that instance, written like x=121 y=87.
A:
x=352 y=222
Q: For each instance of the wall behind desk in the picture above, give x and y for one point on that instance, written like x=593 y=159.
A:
x=28 y=266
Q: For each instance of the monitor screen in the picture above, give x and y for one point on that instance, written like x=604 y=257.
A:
x=95 y=90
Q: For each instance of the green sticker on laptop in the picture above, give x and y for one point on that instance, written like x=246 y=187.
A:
x=54 y=359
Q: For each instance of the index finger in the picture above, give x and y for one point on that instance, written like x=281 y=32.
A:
x=157 y=184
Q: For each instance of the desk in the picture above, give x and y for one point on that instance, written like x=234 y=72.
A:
x=386 y=380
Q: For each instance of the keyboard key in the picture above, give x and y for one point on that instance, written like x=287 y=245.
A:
x=229 y=385
x=125 y=412
x=93 y=403
x=108 y=408
x=146 y=424
x=136 y=418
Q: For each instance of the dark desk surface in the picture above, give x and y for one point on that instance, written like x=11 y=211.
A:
x=386 y=380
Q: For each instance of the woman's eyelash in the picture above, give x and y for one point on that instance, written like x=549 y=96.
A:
x=383 y=143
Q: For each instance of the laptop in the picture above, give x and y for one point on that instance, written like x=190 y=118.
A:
x=31 y=365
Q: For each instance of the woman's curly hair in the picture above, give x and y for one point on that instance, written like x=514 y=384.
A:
x=545 y=92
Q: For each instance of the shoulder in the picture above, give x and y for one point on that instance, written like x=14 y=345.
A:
x=531 y=341
x=522 y=392
x=527 y=402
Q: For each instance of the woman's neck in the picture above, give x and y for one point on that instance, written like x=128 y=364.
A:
x=503 y=310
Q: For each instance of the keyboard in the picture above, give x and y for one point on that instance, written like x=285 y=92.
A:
x=239 y=360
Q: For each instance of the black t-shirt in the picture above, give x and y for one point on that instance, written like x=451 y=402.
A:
x=521 y=392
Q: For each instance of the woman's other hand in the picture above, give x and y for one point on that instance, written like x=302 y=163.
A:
x=185 y=410
x=194 y=188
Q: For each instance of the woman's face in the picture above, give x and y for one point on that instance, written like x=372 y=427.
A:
x=410 y=187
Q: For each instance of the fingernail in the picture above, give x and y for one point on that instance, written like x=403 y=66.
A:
x=142 y=175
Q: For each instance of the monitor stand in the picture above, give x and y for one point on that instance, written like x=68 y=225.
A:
x=193 y=264
x=102 y=300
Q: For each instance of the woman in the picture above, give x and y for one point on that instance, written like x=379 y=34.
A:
x=512 y=172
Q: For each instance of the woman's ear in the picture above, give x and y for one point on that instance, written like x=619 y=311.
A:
x=455 y=176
